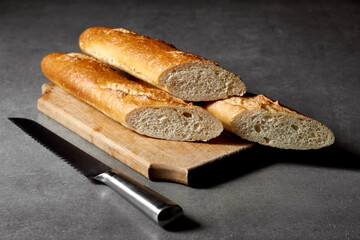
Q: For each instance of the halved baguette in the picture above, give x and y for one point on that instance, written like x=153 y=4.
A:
x=148 y=111
x=182 y=74
x=260 y=119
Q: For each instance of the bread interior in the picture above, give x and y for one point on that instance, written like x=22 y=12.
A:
x=198 y=81
x=282 y=130
x=175 y=123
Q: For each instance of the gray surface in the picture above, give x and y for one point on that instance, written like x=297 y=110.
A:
x=306 y=55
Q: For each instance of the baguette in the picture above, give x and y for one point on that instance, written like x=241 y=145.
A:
x=182 y=74
x=260 y=119
x=148 y=111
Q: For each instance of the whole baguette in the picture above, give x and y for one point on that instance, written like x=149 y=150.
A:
x=148 y=111
x=260 y=119
x=182 y=74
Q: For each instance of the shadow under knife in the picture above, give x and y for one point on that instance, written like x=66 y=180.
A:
x=148 y=228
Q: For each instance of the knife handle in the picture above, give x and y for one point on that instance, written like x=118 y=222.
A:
x=157 y=207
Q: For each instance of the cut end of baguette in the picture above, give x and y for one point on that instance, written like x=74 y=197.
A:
x=282 y=130
x=175 y=123
x=202 y=81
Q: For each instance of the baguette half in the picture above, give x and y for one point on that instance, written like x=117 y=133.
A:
x=148 y=111
x=262 y=120
x=182 y=74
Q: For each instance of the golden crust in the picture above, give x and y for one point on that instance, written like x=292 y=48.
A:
x=150 y=57
x=100 y=86
x=260 y=101
x=228 y=109
x=224 y=111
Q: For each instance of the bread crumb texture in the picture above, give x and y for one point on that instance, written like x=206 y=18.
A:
x=175 y=123
x=201 y=81
x=269 y=123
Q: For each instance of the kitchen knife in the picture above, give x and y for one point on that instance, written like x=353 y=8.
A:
x=154 y=205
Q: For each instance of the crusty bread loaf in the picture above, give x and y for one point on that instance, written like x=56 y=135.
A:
x=148 y=111
x=184 y=75
x=260 y=119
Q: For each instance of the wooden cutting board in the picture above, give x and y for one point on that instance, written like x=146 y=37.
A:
x=153 y=158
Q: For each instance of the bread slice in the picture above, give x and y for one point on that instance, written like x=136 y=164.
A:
x=184 y=75
x=260 y=119
x=148 y=111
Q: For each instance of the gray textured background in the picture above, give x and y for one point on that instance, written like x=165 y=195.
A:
x=304 y=54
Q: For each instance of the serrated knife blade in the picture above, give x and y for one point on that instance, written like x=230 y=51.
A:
x=80 y=160
x=157 y=207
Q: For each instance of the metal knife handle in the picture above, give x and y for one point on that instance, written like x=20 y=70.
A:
x=154 y=205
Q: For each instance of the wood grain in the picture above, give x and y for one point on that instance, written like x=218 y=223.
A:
x=153 y=158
